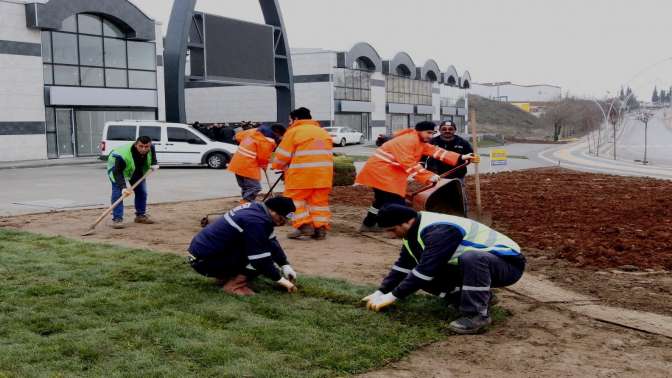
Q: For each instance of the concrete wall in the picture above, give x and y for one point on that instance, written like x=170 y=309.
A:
x=518 y=93
x=160 y=80
x=21 y=88
x=230 y=104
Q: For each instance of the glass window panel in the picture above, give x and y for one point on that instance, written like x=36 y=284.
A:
x=85 y=144
x=65 y=48
x=69 y=24
x=141 y=55
x=51 y=145
x=339 y=79
x=153 y=132
x=92 y=77
x=46 y=47
x=366 y=95
x=89 y=24
x=66 y=75
x=356 y=79
x=90 y=51
x=366 y=80
x=339 y=93
x=349 y=94
x=49 y=117
x=348 y=78
x=115 y=78
x=118 y=132
x=143 y=115
x=48 y=74
x=115 y=53
x=176 y=134
x=142 y=79
x=111 y=30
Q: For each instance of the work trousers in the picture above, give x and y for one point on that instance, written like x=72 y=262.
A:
x=223 y=268
x=312 y=207
x=249 y=188
x=139 y=196
x=380 y=199
x=480 y=271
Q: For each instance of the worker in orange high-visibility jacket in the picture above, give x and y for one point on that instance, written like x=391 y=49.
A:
x=255 y=147
x=389 y=168
x=306 y=159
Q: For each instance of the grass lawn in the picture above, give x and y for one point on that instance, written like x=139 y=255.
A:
x=69 y=308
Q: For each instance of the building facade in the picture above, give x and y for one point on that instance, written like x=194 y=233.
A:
x=67 y=67
x=355 y=88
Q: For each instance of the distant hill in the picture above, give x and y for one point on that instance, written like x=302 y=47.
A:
x=505 y=119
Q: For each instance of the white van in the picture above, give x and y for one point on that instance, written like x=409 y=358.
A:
x=175 y=143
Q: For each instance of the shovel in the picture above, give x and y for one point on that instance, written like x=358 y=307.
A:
x=117 y=202
x=270 y=191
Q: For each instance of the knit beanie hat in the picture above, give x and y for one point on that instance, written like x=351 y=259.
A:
x=281 y=205
x=394 y=215
x=425 y=126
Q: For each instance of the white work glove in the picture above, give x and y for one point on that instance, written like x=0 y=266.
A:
x=288 y=272
x=380 y=302
x=472 y=158
x=155 y=167
x=375 y=294
x=291 y=288
x=434 y=179
x=127 y=192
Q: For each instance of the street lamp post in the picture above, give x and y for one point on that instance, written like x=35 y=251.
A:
x=644 y=117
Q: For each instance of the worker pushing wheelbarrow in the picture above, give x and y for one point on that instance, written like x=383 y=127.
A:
x=397 y=160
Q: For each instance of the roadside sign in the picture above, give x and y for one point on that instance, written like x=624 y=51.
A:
x=498 y=157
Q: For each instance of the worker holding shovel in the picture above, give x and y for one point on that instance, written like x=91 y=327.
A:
x=388 y=170
x=241 y=245
x=131 y=162
x=255 y=147
x=452 y=257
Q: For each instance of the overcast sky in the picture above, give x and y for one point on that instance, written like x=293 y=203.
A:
x=587 y=47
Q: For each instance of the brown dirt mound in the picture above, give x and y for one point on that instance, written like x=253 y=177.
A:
x=592 y=220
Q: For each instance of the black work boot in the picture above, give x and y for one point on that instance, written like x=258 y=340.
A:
x=471 y=324
x=320 y=233
x=304 y=230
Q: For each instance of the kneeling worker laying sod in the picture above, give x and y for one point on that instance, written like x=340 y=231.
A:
x=242 y=244
x=451 y=257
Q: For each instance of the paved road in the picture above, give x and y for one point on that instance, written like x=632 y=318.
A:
x=630 y=145
x=42 y=189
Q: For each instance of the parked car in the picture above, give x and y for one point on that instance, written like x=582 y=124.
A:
x=175 y=143
x=344 y=135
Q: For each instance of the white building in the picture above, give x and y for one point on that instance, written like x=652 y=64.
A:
x=66 y=67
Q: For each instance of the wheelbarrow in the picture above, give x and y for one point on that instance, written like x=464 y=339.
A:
x=445 y=196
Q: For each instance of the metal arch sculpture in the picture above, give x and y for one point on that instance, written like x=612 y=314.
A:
x=175 y=51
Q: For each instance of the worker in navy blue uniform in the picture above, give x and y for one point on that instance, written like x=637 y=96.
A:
x=443 y=254
x=448 y=140
x=242 y=244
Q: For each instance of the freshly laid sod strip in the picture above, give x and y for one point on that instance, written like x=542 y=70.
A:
x=69 y=308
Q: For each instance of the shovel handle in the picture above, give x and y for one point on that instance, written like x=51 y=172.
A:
x=117 y=202
x=273 y=186
x=443 y=175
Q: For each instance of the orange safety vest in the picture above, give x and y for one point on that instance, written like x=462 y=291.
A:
x=389 y=167
x=254 y=152
x=305 y=154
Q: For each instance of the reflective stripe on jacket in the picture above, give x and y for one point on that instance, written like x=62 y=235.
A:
x=305 y=154
x=476 y=236
x=397 y=159
x=254 y=152
x=124 y=152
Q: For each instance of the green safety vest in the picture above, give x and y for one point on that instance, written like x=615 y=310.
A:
x=124 y=152
x=476 y=236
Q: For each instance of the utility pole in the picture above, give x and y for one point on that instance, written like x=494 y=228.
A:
x=644 y=117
